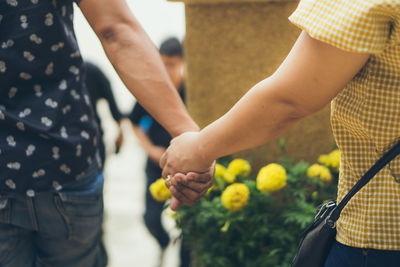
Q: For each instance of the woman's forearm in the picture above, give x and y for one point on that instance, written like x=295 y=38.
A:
x=310 y=77
x=257 y=118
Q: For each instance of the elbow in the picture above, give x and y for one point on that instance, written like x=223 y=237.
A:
x=285 y=104
x=117 y=33
x=295 y=110
x=118 y=39
x=108 y=33
x=294 y=107
x=285 y=108
x=285 y=114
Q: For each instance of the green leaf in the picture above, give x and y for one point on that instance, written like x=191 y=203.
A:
x=282 y=144
x=265 y=233
x=300 y=168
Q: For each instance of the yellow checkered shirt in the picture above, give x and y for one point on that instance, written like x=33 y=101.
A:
x=365 y=115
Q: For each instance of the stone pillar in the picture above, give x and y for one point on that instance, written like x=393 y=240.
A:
x=230 y=45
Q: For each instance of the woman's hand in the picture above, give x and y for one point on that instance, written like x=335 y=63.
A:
x=185 y=154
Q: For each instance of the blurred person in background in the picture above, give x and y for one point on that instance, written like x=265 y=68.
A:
x=51 y=184
x=155 y=139
x=99 y=88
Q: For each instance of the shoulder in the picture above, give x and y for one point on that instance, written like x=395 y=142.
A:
x=354 y=25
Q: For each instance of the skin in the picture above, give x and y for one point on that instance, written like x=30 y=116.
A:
x=139 y=65
x=309 y=78
x=173 y=65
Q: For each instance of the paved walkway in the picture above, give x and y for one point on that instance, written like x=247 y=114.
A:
x=127 y=240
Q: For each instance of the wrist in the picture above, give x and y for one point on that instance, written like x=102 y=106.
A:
x=188 y=126
x=206 y=148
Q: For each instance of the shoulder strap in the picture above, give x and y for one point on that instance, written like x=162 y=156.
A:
x=382 y=162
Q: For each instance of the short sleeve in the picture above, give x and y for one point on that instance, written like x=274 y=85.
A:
x=352 y=25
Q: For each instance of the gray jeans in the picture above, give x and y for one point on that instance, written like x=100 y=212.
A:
x=55 y=228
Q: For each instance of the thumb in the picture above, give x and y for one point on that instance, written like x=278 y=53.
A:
x=175 y=204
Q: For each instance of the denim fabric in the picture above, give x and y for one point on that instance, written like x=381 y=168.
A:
x=345 y=256
x=60 y=229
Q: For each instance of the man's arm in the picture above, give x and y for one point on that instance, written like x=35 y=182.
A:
x=137 y=62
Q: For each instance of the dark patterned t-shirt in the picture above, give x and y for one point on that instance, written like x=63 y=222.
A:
x=48 y=134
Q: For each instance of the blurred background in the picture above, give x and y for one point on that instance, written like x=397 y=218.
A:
x=127 y=240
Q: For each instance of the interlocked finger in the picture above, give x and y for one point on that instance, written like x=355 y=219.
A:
x=181 y=182
x=185 y=196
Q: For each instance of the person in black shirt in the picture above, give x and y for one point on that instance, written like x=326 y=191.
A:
x=155 y=139
x=99 y=88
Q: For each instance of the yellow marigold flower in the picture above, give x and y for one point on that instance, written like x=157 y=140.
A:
x=219 y=170
x=324 y=159
x=320 y=171
x=235 y=197
x=271 y=178
x=331 y=160
x=314 y=170
x=159 y=190
x=229 y=177
x=325 y=175
x=334 y=159
x=239 y=167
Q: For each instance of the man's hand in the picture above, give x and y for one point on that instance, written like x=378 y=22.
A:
x=184 y=156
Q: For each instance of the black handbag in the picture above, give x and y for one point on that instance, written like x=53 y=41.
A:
x=318 y=238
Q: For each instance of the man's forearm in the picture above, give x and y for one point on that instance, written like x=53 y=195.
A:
x=139 y=65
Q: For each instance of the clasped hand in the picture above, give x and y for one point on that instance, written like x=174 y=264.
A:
x=192 y=174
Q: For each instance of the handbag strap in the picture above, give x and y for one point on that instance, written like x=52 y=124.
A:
x=382 y=162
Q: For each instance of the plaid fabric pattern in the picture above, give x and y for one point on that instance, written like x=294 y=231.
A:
x=365 y=116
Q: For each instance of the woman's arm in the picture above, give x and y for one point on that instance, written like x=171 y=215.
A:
x=310 y=77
